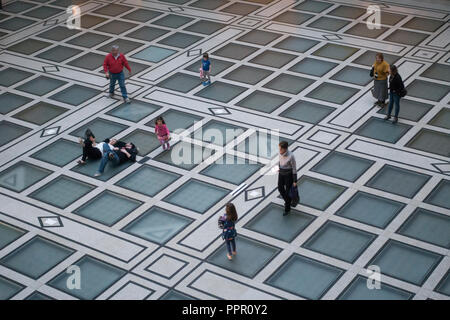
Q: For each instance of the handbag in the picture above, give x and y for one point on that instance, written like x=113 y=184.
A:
x=372 y=71
x=295 y=197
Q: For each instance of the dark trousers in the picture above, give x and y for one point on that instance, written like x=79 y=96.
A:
x=285 y=181
x=394 y=99
x=231 y=245
x=90 y=152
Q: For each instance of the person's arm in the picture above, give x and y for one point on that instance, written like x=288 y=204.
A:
x=294 y=169
x=126 y=64
x=167 y=130
x=105 y=67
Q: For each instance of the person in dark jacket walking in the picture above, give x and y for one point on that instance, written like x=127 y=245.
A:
x=396 y=88
x=287 y=175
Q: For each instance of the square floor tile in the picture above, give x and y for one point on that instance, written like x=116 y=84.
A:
x=38 y=296
x=247 y=74
x=97 y=277
x=205 y=27
x=289 y=83
x=262 y=101
x=18 y=6
x=317 y=193
x=157 y=225
x=41 y=85
x=16 y=23
x=307 y=111
x=172 y=21
x=9 y=234
x=58 y=33
x=59 y=53
x=176 y=120
x=427 y=90
x=261 y=144
x=10 y=101
x=335 y=51
x=411 y=110
x=89 y=61
x=124 y=45
x=142 y=15
x=405 y=262
x=232 y=169
x=101 y=128
x=370 y=209
x=437 y=71
x=208 y=4
x=440 y=196
x=166 y=266
x=197 y=196
x=43 y=12
x=62 y=191
x=296 y=44
x=273 y=59
x=221 y=91
x=259 y=37
x=185 y=155
x=329 y=24
x=134 y=111
x=271 y=222
x=251 y=258
x=217 y=66
x=361 y=30
x=40 y=113
x=75 y=95
x=89 y=21
x=147 y=33
x=148 y=180
x=333 y=93
x=108 y=208
x=59 y=153
x=36 y=257
x=235 y=51
x=427 y=226
x=181 y=82
x=339 y=241
x=240 y=8
x=8 y=288
x=11 y=131
x=305 y=277
x=11 y=76
x=173 y=294
x=112 y=10
x=145 y=141
x=293 y=17
x=90 y=168
x=406 y=37
x=423 y=24
x=218 y=133
x=444 y=286
x=22 y=175
x=380 y=129
x=390 y=19
x=398 y=181
x=313 y=67
x=368 y=58
x=348 y=12
x=353 y=75
x=66 y=3
x=312 y=6
x=154 y=54
x=431 y=141
x=342 y=166
x=358 y=290
x=116 y=27
x=88 y=40
x=180 y=40
x=29 y=46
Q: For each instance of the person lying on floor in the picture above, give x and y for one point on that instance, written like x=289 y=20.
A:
x=117 y=152
x=91 y=149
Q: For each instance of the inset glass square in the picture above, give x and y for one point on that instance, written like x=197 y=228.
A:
x=154 y=54
x=75 y=95
x=101 y=128
x=411 y=110
x=259 y=37
x=313 y=67
x=134 y=111
x=431 y=141
x=180 y=40
x=427 y=90
x=90 y=168
x=353 y=75
x=8 y=288
x=437 y=71
x=176 y=120
x=43 y=12
x=41 y=85
x=9 y=234
x=358 y=290
x=317 y=193
x=16 y=23
x=142 y=15
x=116 y=27
x=172 y=21
x=406 y=37
x=218 y=133
x=289 y=83
x=273 y=59
x=205 y=27
x=240 y=8
x=88 y=39
x=262 y=101
x=368 y=58
x=293 y=17
x=185 y=155
x=181 y=82
x=145 y=141
x=348 y=12
x=18 y=6
x=11 y=76
x=11 y=131
x=173 y=294
x=147 y=33
x=361 y=30
x=10 y=101
x=423 y=24
x=444 y=286
x=40 y=113
x=312 y=6
x=261 y=144
x=335 y=51
x=247 y=74
x=379 y=129
x=29 y=46
x=235 y=51
x=124 y=45
x=333 y=93
x=329 y=24
x=112 y=10
x=307 y=111
x=22 y=175
x=59 y=53
x=296 y=44
x=59 y=153
x=38 y=296
x=221 y=91
x=440 y=196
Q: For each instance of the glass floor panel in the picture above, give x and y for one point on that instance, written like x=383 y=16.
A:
x=181 y=82
x=444 y=286
x=427 y=90
x=134 y=111
x=361 y=30
x=428 y=226
x=124 y=45
x=390 y=19
x=208 y=4
x=247 y=74
x=147 y=33
x=172 y=21
x=154 y=54
x=406 y=37
x=410 y=110
x=423 y=24
x=112 y=10
x=218 y=66
x=332 y=93
x=317 y=193
x=313 y=67
x=41 y=85
x=273 y=59
x=59 y=53
x=440 y=196
x=40 y=113
x=380 y=129
x=90 y=168
x=347 y=12
x=21 y=176
x=370 y=209
x=405 y=262
x=148 y=180
x=145 y=141
x=75 y=95
x=232 y=169
x=101 y=128
x=62 y=191
x=221 y=91
x=205 y=27
x=157 y=225
x=398 y=181
x=305 y=277
x=88 y=40
x=329 y=24
x=259 y=37
x=116 y=27
x=261 y=144
x=312 y=6
x=335 y=51
x=36 y=257
x=442 y=119
x=431 y=141
x=180 y=40
x=11 y=76
x=108 y=208
x=353 y=75
x=8 y=289
x=262 y=101
x=296 y=44
x=18 y=6
x=239 y=8
x=197 y=196
x=368 y=58
x=343 y=166
x=358 y=290
x=9 y=234
x=29 y=46
x=11 y=131
x=218 y=133
x=307 y=111
x=288 y=83
x=97 y=277
x=176 y=120
x=252 y=256
x=270 y=221
x=43 y=12
x=16 y=23
x=38 y=296
x=59 y=153
x=339 y=241
x=185 y=155
x=173 y=294
x=235 y=51
x=437 y=71
x=292 y=17
x=10 y=101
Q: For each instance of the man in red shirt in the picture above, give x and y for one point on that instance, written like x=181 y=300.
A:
x=113 y=67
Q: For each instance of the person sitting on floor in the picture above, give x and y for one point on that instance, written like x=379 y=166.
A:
x=91 y=149
x=118 y=152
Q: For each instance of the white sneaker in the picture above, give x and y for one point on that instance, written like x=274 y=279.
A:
x=127 y=100
x=98 y=174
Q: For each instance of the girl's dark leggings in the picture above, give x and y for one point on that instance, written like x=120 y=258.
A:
x=231 y=245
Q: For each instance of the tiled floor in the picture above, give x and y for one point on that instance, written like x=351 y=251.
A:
x=371 y=193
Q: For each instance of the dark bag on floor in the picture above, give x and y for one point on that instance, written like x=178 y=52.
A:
x=371 y=71
x=293 y=194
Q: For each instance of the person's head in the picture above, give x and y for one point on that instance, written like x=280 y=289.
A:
x=112 y=141
x=283 y=146
x=205 y=56
x=89 y=135
x=379 y=57
x=129 y=145
x=159 y=121
x=230 y=212
x=393 y=70
x=115 y=50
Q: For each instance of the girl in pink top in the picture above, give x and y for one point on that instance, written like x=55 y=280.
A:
x=162 y=132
